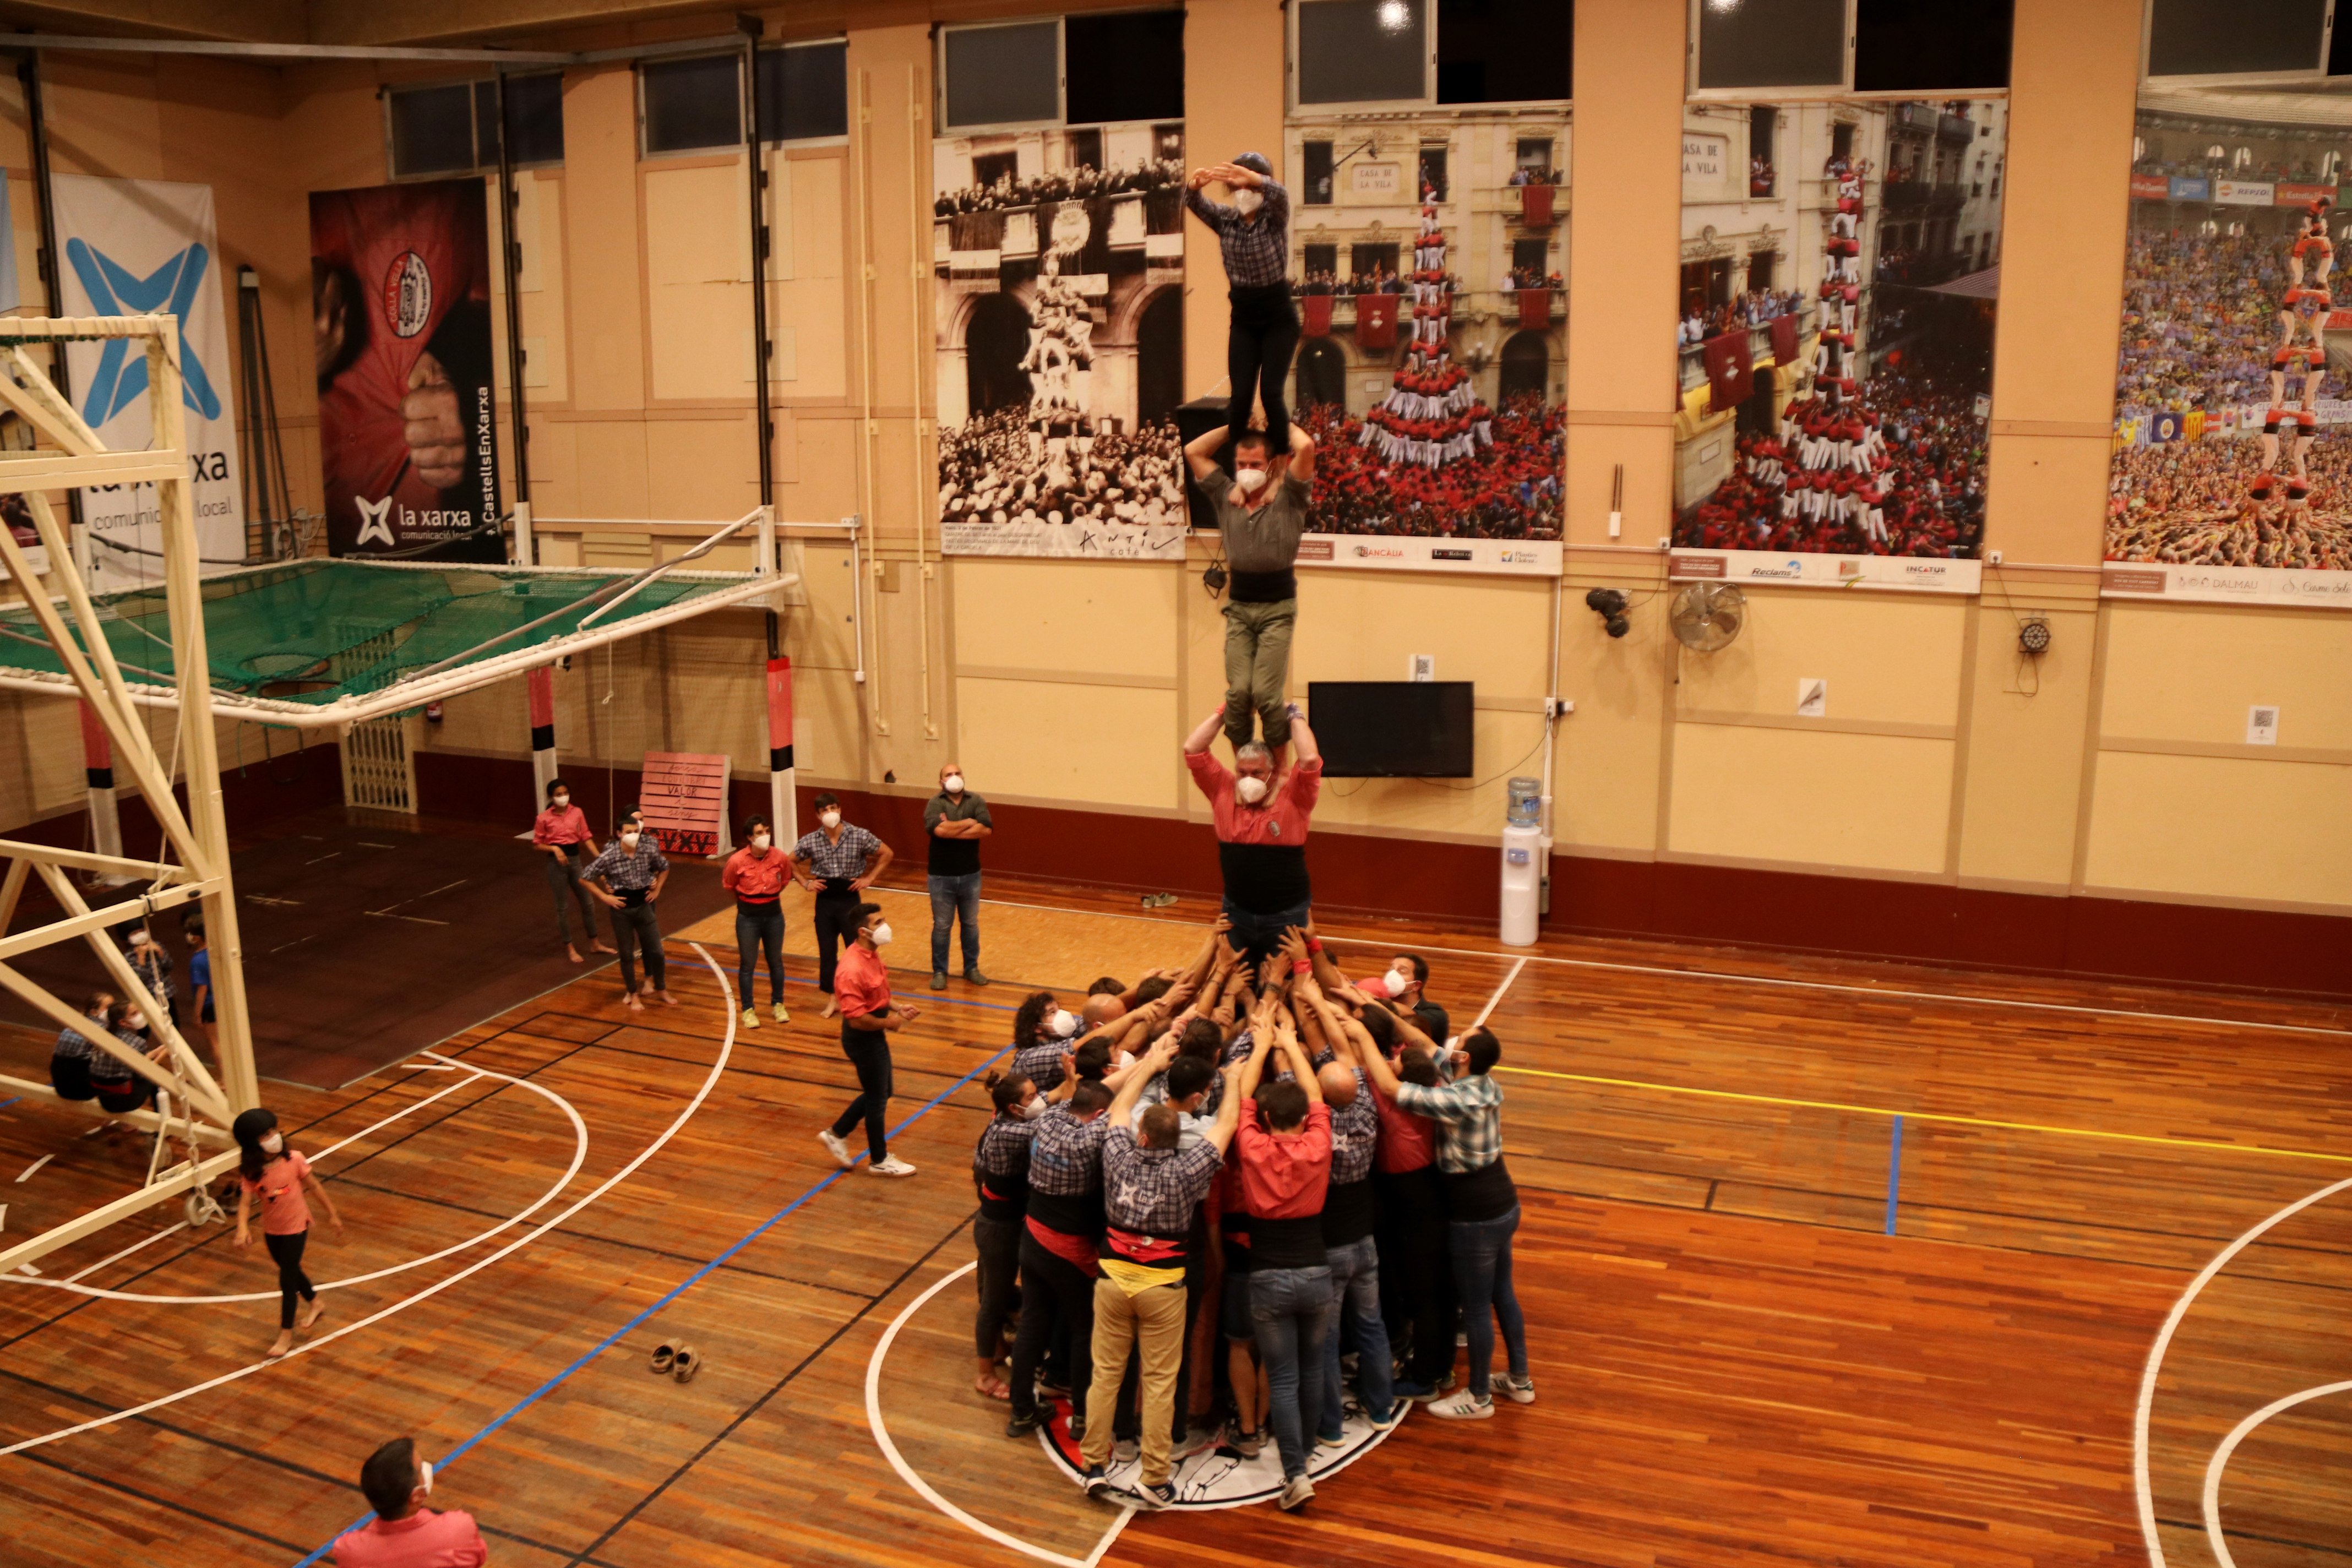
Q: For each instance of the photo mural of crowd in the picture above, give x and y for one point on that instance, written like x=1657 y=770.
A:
x=2229 y=415
x=1845 y=403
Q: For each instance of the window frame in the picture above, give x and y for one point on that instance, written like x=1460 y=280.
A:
x=716 y=149
x=1845 y=89
x=849 y=107
x=387 y=90
x=2316 y=76
x=1428 y=99
x=1061 y=75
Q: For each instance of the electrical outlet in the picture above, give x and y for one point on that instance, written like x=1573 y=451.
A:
x=1994 y=557
x=1616 y=523
x=1665 y=541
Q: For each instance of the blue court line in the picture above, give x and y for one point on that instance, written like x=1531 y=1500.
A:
x=675 y=1291
x=11 y=1099
x=1894 y=1175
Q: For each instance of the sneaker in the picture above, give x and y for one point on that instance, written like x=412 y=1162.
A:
x=1386 y=1423
x=1151 y=1500
x=1296 y=1493
x=750 y=1018
x=939 y=979
x=836 y=1148
x=1464 y=1407
x=1098 y=1487
x=1196 y=1440
x=784 y=1015
x=1331 y=1439
x=1078 y=1427
x=890 y=1166
x=1126 y=1451
x=1519 y=1390
x=1022 y=1426
x=1249 y=1443
x=974 y=977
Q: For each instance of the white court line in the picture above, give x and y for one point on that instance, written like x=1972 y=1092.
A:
x=726 y=1049
x=116 y=1258
x=579 y=1157
x=1488 y=1010
x=923 y=1488
x=2220 y=1462
x=28 y=1171
x=1732 y=977
x=2140 y=1484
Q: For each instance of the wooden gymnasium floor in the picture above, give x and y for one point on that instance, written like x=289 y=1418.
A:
x=1760 y=1333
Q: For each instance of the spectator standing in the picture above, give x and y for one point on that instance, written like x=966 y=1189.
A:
x=838 y=863
x=756 y=875
x=200 y=980
x=957 y=819
x=404 y=1533
x=628 y=876
x=1261 y=816
x=866 y=1016
x=560 y=833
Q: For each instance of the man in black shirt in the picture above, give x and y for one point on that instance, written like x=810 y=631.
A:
x=957 y=820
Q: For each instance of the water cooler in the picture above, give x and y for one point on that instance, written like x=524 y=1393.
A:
x=1523 y=863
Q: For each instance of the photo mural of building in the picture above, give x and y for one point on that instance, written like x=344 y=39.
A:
x=1429 y=252
x=2229 y=479
x=1058 y=260
x=1839 y=273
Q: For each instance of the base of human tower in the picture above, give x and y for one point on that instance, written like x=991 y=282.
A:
x=1221 y=1476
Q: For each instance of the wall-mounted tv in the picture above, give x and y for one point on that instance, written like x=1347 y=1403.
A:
x=1392 y=729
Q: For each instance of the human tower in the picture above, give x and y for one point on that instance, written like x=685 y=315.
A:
x=1430 y=416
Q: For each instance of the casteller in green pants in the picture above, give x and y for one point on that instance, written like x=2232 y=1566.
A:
x=1261 y=511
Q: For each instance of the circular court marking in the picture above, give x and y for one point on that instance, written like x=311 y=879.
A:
x=2220 y=1461
x=579 y=1157
x=709 y=1082
x=2146 y=1495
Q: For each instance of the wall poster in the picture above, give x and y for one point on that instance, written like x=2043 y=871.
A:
x=2230 y=465
x=1059 y=299
x=407 y=415
x=131 y=248
x=1429 y=255
x=1840 y=273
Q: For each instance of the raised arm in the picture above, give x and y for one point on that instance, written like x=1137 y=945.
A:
x=1201 y=453
x=1302 y=454
x=1203 y=733
x=1303 y=740
x=1229 y=1116
x=1253 y=1068
x=1155 y=1061
x=1296 y=1059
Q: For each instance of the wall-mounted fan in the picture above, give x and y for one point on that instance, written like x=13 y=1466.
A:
x=1707 y=616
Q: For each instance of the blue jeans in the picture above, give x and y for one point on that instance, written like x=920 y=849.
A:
x=1259 y=934
x=756 y=932
x=952 y=897
x=1356 y=1293
x=1482 y=1279
x=1290 y=1310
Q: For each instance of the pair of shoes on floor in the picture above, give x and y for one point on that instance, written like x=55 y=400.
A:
x=1158 y=901
x=890 y=1165
x=676 y=1358
x=971 y=977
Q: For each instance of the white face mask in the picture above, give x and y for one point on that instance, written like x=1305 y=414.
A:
x=139 y=939
x=629 y=838
x=1398 y=981
x=272 y=1142
x=1249 y=789
x=134 y=1020
x=1032 y=1109
x=829 y=818
x=1248 y=200
x=559 y=800
x=760 y=843
x=1251 y=481
x=425 y=1476
x=1062 y=1024
x=953 y=784
x=880 y=934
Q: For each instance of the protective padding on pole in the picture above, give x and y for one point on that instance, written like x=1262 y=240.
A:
x=542 y=683
x=782 y=808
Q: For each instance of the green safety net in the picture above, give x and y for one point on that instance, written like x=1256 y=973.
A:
x=316 y=631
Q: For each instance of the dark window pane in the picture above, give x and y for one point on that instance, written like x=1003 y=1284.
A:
x=1930 y=46
x=1318 y=158
x=1432 y=173
x=432 y=129
x=1356 y=51
x=1771 y=43
x=2220 y=38
x=803 y=92
x=1003 y=76
x=1504 y=51
x=486 y=123
x=693 y=103
x=535 y=111
x=1129 y=65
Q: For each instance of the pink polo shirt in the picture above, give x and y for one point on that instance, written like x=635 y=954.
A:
x=424 y=1539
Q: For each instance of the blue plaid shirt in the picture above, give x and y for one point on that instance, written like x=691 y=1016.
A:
x=1155 y=1190
x=845 y=857
x=624 y=872
x=1469 y=1117
x=1256 y=251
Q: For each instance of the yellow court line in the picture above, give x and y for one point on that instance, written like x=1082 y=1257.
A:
x=1936 y=1116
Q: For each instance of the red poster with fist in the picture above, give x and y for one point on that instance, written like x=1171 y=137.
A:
x=407 y=413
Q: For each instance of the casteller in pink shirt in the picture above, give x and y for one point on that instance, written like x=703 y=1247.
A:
x=424 y=1539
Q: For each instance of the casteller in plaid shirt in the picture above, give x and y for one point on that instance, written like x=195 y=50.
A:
x=1253 y=237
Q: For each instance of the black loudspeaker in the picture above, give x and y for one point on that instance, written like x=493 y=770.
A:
x=1194 y=420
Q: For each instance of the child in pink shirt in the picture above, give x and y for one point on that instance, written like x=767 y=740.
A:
x=278 y=1177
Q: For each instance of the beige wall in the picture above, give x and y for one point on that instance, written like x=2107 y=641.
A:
x=2116 y=763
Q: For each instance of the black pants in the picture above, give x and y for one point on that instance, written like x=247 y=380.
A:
x=286 y=1251
x=760 y=928
x=1258 y=346
x=835 y=920
x=869 y=1052
x=1417 y=1271
x=998 y=1242
x=1052 y=1288
x=635 y=925
x=69 y=1075
x=563 y=881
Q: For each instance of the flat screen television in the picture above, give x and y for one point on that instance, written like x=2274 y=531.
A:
x=1392 y=729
